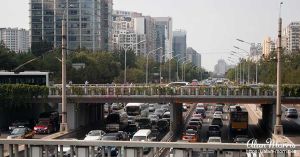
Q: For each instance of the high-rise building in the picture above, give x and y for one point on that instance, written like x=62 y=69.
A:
x=106 y=9
x=124 y=34
x=268 y=47
x=164 y=35
x=193 y=56
x=220 y=68
x=15 y=39
x=88 y=23
x=179 y=43
x=291 y=37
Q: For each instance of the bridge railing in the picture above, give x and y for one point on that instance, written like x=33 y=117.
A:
x=163 y=90
x=39 y=148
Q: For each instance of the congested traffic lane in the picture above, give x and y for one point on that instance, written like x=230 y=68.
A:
x=291 y=126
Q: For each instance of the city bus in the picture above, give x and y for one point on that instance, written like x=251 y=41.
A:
x=26 y=77
x=238 y=122
x=137 y=109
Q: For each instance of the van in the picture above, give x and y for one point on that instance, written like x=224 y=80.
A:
x=142 y=135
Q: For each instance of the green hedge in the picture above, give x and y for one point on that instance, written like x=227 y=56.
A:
x=14 y=95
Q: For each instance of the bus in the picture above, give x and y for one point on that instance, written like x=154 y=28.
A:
x=26 y=77
x=137 y=109
x=116 y=121
x=238 y=122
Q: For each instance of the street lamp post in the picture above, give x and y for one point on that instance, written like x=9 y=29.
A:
x=248 y=53
x=170 y=65
x=63 y=124
x=241 y=65
x=147 y=64
x=125 y=61
x=278 y=130
x=177 y=67
x=160 y=67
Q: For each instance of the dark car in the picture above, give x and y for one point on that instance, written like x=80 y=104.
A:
x=219 y=108
x=214 y=130
x=194 y=125
x=167 y=116
x=26 y=123
x=131 y=130
x=159 y=112
x=291 y=113
x=217 y=121
x=202 y=111
x=144 y=123
x=163 y=125
x=152 y=107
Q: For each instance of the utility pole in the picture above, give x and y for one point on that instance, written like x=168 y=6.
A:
x=278 y=129
x=63 y=124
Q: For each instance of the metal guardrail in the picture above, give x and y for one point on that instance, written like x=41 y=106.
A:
x=38 y=148
x=163 y=90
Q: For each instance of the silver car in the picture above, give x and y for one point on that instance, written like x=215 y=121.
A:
x=291 y=113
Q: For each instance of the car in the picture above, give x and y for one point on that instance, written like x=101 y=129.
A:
x=241 y=139
x=177 y=84
x=144 y=123
x=218 y=114
x=199 y=105
x=159 y=112
x=217 y=121
x=201 y=110
x=214 y=139
x=190 y=135
x=153 y=118
x=94 y=135
x=196 y=125
x=184 y=108
x=44 y=127
x=219 y=108
x=187 y=105
x=152 y=107
x=131 y=119
x=116 y=106
x=21 y=132
x=197 y=119
x=214 y=130
x=163 y=125
x=167 y=116
x=131 y=130
x=291 y=113
x=166 y=108
x=17 y=123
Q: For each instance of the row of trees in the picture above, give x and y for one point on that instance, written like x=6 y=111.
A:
x=100 y=67
x=267 y=67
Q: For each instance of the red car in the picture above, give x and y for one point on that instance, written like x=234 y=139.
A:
x=44 y=127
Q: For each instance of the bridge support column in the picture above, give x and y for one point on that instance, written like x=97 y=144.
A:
x=176 y=117
x=268 y=116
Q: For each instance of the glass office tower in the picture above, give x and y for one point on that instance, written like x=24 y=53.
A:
x=83 y=22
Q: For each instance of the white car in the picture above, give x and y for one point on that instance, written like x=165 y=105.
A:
x=218 y=114
x=214 y=140
x=94 y=135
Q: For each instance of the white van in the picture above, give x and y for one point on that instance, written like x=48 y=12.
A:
x=144 y=135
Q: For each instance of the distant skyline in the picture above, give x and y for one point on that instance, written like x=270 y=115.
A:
x=212 y=25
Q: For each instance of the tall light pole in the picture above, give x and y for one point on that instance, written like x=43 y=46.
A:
x=278 y=130
x=177 y=66
x=63 y=124
x=241 y=65
x=170 y=64
x=248 y=53
x=160 y=67
x=147 y=68
x=183 y=70
x=256 y=67
x=125 y=51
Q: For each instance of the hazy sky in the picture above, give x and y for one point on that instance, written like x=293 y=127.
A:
x=212 y=25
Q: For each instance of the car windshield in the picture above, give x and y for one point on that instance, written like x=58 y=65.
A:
x=213 y=128
x=190 y=132
x=94 y=133
x=138 y=138
x=292 y=110
x=193 y=123
x=109 y=138
x=43 y=123
x=153 y=116
x=18 y=131
x=159 y=111
x=166 y=116
x=216 y=120
x=214 y=140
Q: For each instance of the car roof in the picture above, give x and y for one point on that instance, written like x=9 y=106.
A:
x=143 y=132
